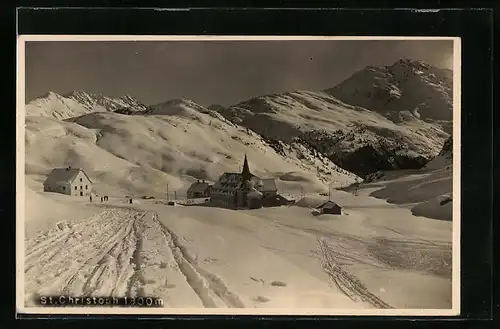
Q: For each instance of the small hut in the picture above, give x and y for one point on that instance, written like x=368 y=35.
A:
x=330 y=207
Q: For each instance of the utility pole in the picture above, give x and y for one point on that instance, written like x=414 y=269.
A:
x=167 y=191
x=175 y=195
x=329 y=192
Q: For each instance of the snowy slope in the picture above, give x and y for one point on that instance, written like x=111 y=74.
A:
x=427 y=191
x=374 y=255
x=407 y=87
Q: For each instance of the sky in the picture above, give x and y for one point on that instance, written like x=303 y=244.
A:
x=211 y=72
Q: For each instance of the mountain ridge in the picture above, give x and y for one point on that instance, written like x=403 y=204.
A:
x=79 y=102
x=360 y=139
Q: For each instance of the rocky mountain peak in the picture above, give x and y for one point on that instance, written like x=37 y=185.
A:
x=410 y=86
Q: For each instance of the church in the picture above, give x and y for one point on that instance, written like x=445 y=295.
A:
x=240 y=190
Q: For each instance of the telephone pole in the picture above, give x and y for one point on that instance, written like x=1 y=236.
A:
x=167 y=192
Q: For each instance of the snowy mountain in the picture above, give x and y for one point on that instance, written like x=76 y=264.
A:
x=306 y=132
x=406 y=88
x=78 y=103
x=357 y=139
x=109 y=103
x=171 y=143
x=382 y=118
x=385 y=250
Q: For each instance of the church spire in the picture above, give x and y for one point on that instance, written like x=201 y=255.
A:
x=246 y=175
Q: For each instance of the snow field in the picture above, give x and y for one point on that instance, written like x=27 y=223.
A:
x=374 y=255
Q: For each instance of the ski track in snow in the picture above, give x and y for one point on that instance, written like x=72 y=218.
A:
x=127 y=252
x=210 y=288
x=119 y=252
x=91 y=258
x=346 y=282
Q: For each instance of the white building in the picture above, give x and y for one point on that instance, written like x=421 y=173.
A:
x=70 y=181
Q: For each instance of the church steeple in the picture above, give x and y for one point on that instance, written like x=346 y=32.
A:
x=246 y=175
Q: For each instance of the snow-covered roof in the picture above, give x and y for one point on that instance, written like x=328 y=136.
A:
x=328 y=204
x=268 y=185
x=198 y=187
x=63 y=175
x=230 y=181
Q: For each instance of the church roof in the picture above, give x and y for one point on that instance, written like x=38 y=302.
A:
x=246 y=175
x=229 y=182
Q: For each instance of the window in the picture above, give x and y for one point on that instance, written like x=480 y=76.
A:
x=81 y=180
x=64 y=188
x=75 y=188
x=81 y=187
x=86 y=187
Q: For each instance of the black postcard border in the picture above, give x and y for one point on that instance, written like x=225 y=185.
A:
x=474 y=26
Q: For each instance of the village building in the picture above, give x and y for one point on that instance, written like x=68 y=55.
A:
x=69 y=181
x=232 y=189
x=276 y=201
x=198 y=190
x=268 y=188
x=330 y=207
x=245 y=190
